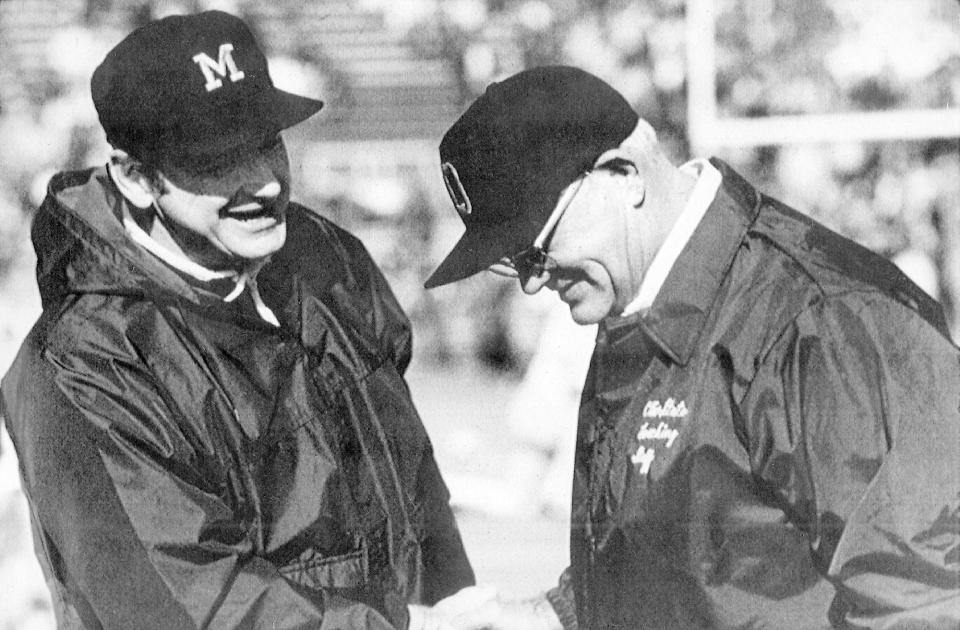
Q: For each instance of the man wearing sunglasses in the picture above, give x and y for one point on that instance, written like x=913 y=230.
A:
x=770 y=429
x=211 y=417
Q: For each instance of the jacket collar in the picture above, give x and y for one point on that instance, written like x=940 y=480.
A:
x=679 y=313
x=83 y=247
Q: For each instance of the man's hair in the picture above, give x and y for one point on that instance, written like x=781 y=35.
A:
x=642 y=144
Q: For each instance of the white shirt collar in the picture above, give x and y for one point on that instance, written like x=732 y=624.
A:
x=704 y=192
x=244 y=279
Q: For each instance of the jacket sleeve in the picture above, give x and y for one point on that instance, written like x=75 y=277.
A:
x=870 y=397
x=390 y=322
x=446 y=568
x=363 y=295
x=144 y=536
x=385 y=316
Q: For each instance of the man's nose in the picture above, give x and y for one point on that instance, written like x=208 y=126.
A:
x=270 y=190
x=257 y=177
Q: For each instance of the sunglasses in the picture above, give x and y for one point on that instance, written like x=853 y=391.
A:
x=534 y=260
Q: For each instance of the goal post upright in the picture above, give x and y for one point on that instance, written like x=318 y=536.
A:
x=709 y=132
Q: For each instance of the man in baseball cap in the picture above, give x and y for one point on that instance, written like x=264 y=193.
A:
x=510 y=155
x=211 y=417
x=187 y=93
x=749 y=449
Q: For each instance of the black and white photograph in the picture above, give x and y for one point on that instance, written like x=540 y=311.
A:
x=479 y=315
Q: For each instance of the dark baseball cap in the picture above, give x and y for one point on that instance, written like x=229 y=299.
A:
x=191 y=93
x=507 y=159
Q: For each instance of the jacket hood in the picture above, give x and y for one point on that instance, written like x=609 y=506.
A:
x=82 y=246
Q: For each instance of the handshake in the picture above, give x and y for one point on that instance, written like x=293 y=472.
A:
x=482 y=608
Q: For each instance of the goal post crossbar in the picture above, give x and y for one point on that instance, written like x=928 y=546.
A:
x=709 y=131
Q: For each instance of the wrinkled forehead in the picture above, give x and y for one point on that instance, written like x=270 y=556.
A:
x=225 y=176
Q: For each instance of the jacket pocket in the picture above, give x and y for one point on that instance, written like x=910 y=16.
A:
x=367 y=563
x=346 y=571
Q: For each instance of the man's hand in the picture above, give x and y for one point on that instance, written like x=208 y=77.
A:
x=498 y=614
x=440 y=615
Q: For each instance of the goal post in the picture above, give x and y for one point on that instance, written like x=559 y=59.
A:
x=708 y=131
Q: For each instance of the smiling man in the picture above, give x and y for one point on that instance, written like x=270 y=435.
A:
x=210 y=415
x=770 y=429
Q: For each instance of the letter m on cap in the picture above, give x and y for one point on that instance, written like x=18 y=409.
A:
x=224 y=63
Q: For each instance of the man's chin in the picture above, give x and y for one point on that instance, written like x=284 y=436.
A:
x=582 y=314
x=260 y=244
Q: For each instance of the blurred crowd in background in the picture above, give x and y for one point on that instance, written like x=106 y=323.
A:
x=395 y=74
x=773 y=57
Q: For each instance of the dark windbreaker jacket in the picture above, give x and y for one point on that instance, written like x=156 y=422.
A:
x=776 y=444
x=188 y=465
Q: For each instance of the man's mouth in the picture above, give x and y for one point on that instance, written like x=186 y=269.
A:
x=566 y=289
x=249 y=212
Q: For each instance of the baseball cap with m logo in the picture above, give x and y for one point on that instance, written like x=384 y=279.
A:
x=189 y=92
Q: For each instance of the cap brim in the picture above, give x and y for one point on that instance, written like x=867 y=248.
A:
x=288 y=109
x=244 y=125
x=254 y=124
x=481 y=247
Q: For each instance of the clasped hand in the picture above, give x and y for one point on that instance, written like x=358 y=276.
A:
x=482 y=608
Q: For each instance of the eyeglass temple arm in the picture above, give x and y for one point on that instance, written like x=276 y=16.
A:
x=555 y=216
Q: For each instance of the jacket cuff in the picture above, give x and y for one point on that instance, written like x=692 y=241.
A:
x=562 y=599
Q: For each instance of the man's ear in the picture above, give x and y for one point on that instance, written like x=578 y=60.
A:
x=130 y=178
x=621 y=161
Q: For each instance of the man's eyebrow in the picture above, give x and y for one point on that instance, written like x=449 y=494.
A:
x=618 y=165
